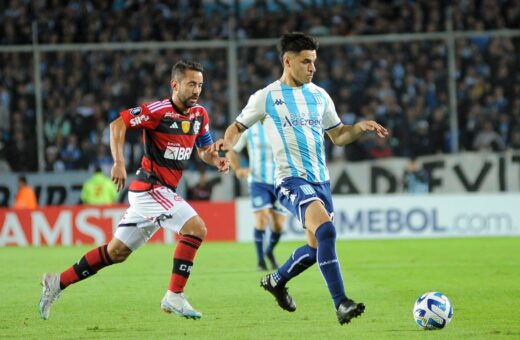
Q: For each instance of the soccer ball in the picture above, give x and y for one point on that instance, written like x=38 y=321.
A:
x=432 y=310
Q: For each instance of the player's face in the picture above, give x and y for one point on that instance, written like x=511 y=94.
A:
x=301 y=66
x=188 y=88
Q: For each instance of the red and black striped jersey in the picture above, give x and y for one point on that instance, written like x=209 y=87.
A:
x=169 y=137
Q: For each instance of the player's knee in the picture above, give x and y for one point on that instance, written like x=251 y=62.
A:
x=262 y=219
x=118 y=251
x=118 y=254
x=195 y=227
x=278 y=224
x=326 y=232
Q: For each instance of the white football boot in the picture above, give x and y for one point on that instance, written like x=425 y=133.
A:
x=178 y=304
x=51 y=292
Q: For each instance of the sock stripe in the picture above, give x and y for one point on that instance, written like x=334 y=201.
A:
x=297 y=262
x=82 y=268
x=102 y=255
x=189 y=244
x=193 y=237
x=107 y=255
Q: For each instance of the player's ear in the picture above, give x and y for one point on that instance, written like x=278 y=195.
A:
x=174 y=84
x=286 y=60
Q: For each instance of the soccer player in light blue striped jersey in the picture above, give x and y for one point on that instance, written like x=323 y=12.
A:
x=296 y=113
x=261 y=175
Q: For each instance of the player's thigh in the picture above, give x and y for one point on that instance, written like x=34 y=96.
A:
x=262 y=218
x=278 y=219
x=148 y=211
x=316 y=215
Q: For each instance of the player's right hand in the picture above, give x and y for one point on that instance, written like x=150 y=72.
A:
x=118 y=173
x=220 y=145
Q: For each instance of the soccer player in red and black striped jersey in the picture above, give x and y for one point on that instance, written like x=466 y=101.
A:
x=171 y=129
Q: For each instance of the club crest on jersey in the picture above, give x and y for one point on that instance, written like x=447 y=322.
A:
x=135 y=111
x=196 y=127
x=185 y=126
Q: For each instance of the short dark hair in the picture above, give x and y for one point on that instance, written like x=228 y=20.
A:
x=296 y=42
x=22 y=179
x=181 y=66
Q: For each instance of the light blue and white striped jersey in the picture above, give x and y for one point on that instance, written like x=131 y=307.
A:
x=294 y=119
x=261 y=158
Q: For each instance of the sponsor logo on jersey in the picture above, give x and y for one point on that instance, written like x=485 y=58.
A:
x=138 y=120
x=301 y=121
x=279 y=102
x=135 y=111
x=174 y=126
x=177 y=153
x=185 y=125
x=196 y=127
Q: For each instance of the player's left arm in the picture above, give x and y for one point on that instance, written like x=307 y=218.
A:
x=346 y=134
x=212 y=158
x=342 y=134
x=205 y=149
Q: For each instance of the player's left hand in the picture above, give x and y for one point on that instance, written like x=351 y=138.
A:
x=370 y=125
x=222 y=165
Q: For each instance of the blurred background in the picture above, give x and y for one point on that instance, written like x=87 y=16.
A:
x=443 y=76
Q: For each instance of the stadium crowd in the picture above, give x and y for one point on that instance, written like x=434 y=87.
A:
x=402 y=85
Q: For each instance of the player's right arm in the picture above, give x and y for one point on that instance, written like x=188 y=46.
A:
x=140 y=117
x=117 y=142
x=252 y=113
x=234 y=157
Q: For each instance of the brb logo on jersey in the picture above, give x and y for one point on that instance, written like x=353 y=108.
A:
x=177 y=153
x=138 y=120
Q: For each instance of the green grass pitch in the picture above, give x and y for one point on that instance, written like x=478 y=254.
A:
x=481 y=276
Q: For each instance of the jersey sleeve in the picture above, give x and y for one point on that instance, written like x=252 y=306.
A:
x=204 y=136
x=140 y=117
x=330 y=116
x=253 y=111
x=241 y=143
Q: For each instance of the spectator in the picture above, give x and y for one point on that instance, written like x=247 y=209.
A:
x=25 y=197
x=201 y=191
x=488 y=139
x=88 y=87
x=415 y=178
x=379 y=148
x=98 y=189
x=515 y=139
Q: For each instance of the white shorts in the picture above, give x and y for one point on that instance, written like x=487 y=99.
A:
x=150 y=210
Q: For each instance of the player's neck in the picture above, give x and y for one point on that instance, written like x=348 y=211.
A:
x=290 y=81
x=178 y=106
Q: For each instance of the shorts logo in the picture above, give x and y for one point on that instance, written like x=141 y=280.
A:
x=135 y=111
x=307 y=189
x=185 y=125
x=178 y=153
x=257 y=201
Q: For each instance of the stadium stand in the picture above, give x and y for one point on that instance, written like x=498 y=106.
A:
x=404 y=85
